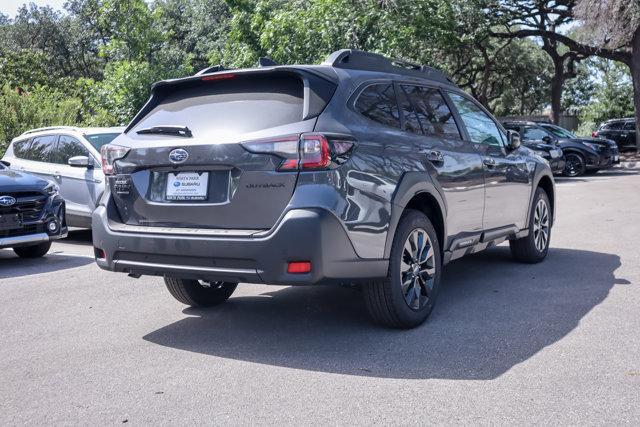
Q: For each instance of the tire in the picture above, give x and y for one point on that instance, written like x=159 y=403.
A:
x=33 y=251
x=388 y=303
x=534 y=247
x=199 y=294
x=575 y=165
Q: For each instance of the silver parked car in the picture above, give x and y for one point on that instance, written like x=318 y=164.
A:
x=69 y=157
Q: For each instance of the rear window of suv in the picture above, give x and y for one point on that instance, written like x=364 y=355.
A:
x=236 y=105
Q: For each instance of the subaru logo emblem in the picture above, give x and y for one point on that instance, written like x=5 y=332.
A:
x=7 y=201
x=178 y=155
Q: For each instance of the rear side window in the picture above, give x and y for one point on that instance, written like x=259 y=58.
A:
x=378 y=103
x=432 y=112
x=42 y=148
x=230 y=106
x=630 y=126
x=20 y=148
x=68 y=147
x=612 y=126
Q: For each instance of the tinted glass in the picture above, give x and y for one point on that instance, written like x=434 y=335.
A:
x=20 y=148
x=630 y=126
x=482 y=129
x=613 y=125
x=432 y=111
x=41 y=148
x=378 y=103
x=68 y=147
x=558 y=131
x=532 y=133
x=411 y=122
x=100 y=139
x=238 y=105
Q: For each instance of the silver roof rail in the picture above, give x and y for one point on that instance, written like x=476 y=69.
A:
x=51 y=128
x=360 y=60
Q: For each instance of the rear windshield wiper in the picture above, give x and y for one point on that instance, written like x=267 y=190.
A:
x=167 y=130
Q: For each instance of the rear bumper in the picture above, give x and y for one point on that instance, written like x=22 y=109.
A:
x=313 y=235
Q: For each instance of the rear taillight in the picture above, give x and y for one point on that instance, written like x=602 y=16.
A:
x=110 y=153
x=594 y=134
x=308 y=151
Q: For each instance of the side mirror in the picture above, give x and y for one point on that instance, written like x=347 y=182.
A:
x=547 y=139
x=80 y=162
x=514 y=139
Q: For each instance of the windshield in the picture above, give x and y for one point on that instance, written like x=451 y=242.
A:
x=100 y=139
x=558 y=131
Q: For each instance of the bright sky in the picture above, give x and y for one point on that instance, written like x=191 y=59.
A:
x=10 y=7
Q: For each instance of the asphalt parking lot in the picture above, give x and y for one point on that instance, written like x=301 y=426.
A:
x=557 y=342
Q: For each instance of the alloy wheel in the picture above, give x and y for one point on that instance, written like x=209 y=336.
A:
x=573 y=164
x=541 y=225
x=417 y=269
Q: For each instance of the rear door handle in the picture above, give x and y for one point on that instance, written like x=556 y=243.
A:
x=433 y=155
x=489 y=161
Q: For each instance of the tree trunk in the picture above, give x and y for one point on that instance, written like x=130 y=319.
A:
x=635 y=76
x=557 y=82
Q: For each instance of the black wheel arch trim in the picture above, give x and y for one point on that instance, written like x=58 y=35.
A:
x=413 y=184
x=541 y=173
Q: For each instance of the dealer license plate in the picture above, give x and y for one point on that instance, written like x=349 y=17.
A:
x=187 y=186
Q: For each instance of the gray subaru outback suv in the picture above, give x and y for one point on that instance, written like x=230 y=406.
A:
x=359 y=170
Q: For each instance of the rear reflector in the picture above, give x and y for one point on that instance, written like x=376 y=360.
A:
x=299 y=267
x=99 y=253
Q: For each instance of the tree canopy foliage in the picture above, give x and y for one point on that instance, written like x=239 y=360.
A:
x=93 y=62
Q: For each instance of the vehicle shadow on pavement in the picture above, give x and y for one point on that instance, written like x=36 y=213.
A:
x=11 y=266
x=492 y=314
x=80 y=237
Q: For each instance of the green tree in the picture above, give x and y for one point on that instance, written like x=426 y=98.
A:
x=611 y=96
x=41 y=106
x=306 y=31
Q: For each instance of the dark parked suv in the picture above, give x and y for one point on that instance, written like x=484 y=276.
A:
x=581 y=155
x=32 y=213
x=622 y=131
x=359 y=170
